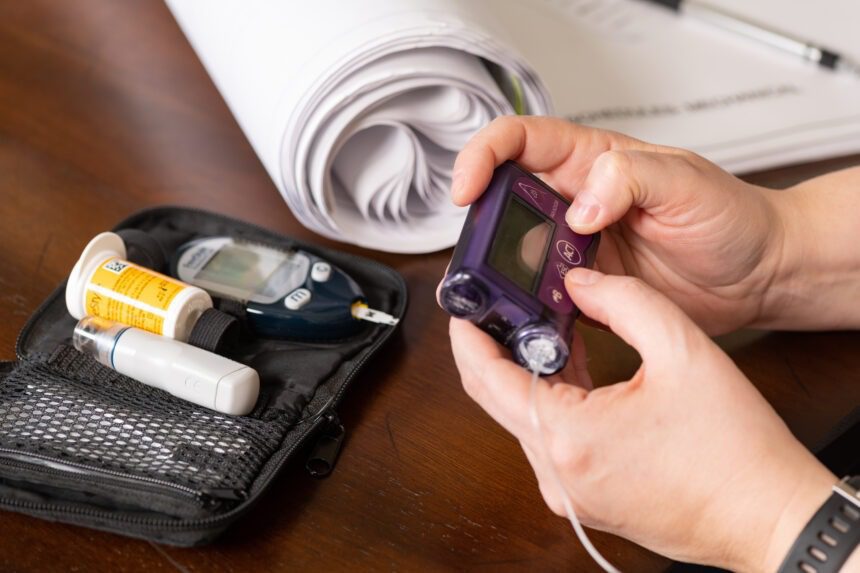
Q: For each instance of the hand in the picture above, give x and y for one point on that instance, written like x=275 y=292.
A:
x=707 y=240
x=685 y=458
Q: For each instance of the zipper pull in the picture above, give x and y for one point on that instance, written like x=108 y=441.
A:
x=324 y=454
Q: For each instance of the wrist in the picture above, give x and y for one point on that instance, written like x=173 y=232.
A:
x=811 y=490
x=813 y=261
x=782 y=264
x=780 y=260
x=853 y=563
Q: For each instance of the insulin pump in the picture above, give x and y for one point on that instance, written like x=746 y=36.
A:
x=286 y=293
x=507 y=272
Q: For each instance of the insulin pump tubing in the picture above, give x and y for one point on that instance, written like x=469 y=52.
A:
x=535 y=365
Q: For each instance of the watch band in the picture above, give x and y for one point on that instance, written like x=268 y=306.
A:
x=828 y=540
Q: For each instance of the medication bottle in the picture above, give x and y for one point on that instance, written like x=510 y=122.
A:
x=104 y=284
x=183 y=370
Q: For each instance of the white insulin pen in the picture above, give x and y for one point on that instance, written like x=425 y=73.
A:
x=183 y=370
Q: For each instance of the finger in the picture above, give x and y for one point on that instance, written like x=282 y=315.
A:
x=569 y=375
x=546 y=484
x=539 y=144
x=579 y=358
x=637 y=313
x=497 y=384
x=490 y=379
x=588 y=321
x=439 y=286
x=622 y=179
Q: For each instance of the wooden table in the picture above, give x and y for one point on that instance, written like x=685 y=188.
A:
x=104 y=110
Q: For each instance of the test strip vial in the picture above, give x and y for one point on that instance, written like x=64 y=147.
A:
x=104 y=284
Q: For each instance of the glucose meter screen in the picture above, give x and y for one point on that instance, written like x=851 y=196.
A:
x=240 y=268
x=519 y=246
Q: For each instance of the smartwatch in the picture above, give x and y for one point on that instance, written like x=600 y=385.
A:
x=831 y=536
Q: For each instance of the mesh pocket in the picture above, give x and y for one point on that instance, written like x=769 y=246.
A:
x=76 y=410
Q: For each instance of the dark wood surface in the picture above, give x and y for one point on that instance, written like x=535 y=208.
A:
x=104 y=110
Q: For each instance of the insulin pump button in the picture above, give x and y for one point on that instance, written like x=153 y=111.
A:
x=555 y=297
x=297 y=299
x=568 y=252
x=320 y=272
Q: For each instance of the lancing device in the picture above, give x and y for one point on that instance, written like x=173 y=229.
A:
x=187 y=372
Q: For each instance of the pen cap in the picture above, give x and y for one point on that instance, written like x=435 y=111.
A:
x=97 y=337
x=237 y=392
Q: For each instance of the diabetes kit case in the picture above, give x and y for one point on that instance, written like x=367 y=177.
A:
x=83 y=444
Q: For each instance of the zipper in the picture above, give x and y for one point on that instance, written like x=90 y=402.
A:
x=154 y=523
x=48 y=465
x=272 y=468
x=51 y=466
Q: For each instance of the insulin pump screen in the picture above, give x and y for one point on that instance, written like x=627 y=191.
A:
x=520 y=244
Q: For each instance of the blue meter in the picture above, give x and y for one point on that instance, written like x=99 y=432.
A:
x=286 y=293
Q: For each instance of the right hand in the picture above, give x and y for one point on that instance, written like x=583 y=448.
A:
x=685 y=458
x=709 y=241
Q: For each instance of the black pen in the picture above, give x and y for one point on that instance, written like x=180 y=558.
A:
x=801 y=48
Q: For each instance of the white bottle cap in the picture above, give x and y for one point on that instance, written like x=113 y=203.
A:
x=102 y=247
x=237 y=392
x=190 y=304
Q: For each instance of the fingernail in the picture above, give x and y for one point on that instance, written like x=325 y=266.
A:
x=584 y=210
x=582 y=277
x=458 y=181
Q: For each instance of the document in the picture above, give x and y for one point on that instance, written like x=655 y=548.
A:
x=357 y=109
x=640 y=69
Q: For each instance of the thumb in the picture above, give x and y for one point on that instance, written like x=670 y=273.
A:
x=640 y=315
x=620 y=180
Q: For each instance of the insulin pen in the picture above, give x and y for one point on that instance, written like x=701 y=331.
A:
x=755 y=31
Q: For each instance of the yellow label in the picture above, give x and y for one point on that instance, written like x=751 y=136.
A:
x=133 y=295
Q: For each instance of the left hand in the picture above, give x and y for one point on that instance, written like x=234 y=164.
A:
x=685 y=458
x=710 y=242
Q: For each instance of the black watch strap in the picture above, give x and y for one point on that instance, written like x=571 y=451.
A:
x=828 y=540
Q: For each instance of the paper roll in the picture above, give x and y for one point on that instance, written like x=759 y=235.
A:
x=357 y=109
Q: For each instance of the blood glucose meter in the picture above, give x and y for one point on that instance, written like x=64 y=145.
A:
x=286 y=293
x=507 y=272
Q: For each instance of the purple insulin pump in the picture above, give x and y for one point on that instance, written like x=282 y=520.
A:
x=507 y=272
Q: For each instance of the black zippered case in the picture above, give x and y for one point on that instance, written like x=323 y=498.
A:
x=82 y=444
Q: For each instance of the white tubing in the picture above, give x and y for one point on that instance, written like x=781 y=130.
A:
x=535 y=368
